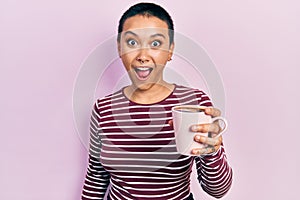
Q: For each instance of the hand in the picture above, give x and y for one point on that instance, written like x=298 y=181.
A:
x=211 y=143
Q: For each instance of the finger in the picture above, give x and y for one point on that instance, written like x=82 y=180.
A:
x=214 y=112
x=206 y=150
x=209 y=141
x=204 y=128
x=170 y=122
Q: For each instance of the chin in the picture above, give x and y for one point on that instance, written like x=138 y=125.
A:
x=144 y=86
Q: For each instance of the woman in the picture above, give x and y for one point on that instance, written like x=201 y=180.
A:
x=132 y=139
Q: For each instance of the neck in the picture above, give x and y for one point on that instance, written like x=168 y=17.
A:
x=153 y=94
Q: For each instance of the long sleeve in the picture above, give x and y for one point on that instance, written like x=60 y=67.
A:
x=214 y=173
x=97 y=179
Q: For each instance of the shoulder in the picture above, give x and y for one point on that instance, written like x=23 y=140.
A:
x=186 y=90
x=109 y=99
x=193 y=93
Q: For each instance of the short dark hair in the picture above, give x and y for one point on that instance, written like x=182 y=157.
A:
x=147 y=9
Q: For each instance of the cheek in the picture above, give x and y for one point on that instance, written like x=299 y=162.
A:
x=161 y=56
x=127 y=60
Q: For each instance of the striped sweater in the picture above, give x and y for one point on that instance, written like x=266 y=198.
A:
x=132 y=148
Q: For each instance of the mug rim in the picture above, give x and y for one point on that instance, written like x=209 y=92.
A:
x=188 y=106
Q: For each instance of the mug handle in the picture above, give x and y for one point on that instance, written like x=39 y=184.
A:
x=225 y=125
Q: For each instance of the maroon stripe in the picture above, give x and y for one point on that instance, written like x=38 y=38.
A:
x=119 y=193
x=151 y=174
x=134 y=123
x=152 y=180
x=166 y=156
x=137 y=135
x=152 y=164
x=137 y=129
x=140 y=149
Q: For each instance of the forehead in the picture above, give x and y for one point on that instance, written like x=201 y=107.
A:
x=145 y=24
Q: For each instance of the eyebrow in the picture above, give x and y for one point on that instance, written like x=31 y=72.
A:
x=130 y=32
x=152 y=36
x=158 y=35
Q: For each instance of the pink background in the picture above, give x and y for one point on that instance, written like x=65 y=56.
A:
x=254 y=44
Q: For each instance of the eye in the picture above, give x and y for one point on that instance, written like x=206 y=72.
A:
x=156 y=43
x=131 y=42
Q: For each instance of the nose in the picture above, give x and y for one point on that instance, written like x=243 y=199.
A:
x=143 y=56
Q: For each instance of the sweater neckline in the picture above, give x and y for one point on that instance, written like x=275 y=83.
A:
x=149 y=104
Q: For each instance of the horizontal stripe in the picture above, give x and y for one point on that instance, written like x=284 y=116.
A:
x=164 y=153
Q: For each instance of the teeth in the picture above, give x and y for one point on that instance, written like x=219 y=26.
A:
x=143 y=68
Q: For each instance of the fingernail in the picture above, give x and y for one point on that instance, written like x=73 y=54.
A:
x=194 y=152
x=207 y=110
x=194 y=128
x=197 y=138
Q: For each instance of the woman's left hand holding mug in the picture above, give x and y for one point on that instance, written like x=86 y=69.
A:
x=211 y=143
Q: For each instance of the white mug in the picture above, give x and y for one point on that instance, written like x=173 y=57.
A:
x=183 y=118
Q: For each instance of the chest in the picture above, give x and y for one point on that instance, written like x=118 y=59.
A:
x=139 y=140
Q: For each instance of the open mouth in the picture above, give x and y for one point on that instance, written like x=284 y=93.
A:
x=143 y=72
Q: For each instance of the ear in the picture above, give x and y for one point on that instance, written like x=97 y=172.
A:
x=171 y=49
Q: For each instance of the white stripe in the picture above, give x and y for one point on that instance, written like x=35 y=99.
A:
x=153 y=183
x=187 y=96
x=142 y=152
x=92 y=192
x=137 y=146
x=165 y=112
x=100 y=181
x=93 y=130
x=135 y=120
x=138 y=139
x=94 y=152
x=96 y=113
x=95 y=187
x=149 y=166
x=171 y=179
x=107 y=99
x=138 y=133
x=89 y=197
x=141 y=159
x=204 y=102
x=148 y=173
x=96 y=172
